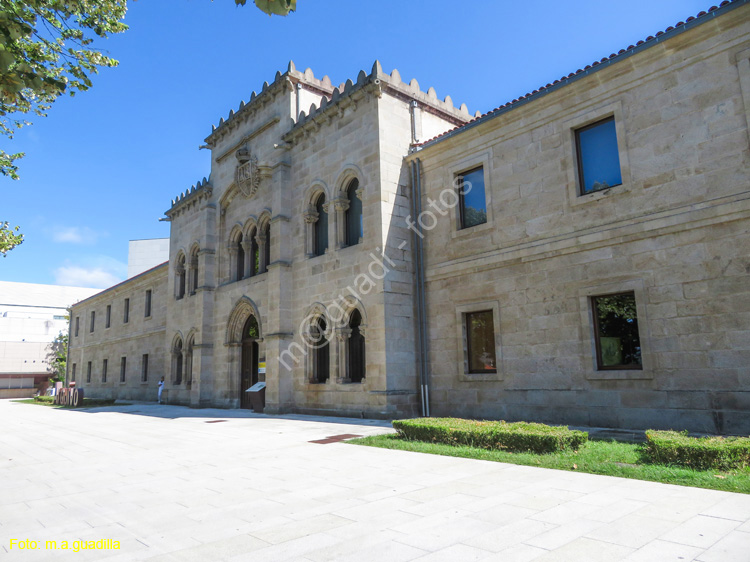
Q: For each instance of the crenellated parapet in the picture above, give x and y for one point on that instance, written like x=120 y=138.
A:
x=374 y=84
x=348 y=94
x=190 y=199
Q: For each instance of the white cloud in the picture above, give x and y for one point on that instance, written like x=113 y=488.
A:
x=74 y=235
x=76 y=276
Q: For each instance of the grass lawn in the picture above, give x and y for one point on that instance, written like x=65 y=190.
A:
x=87 y=403
x=610 y=458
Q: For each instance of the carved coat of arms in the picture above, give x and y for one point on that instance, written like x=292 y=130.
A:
x=247 y=175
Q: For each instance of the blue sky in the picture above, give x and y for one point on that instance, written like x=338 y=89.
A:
x=102 y=168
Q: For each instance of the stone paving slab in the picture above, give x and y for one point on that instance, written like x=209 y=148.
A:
x=171 y=484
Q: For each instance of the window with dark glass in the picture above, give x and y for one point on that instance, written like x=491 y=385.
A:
x=180 y=277
x=267 y=248
x=254 y=253
x=93 y=318
x=471 y=197
x=240 y=272
x=108 y=317
x=177 y=362
x=88 y=372
x=144 y=368
x=78 y=322
x=353 y=218
x=320 y=230
x=598 y=156
x=73 y=374
x=123 y=365
x=126 y=311
x=321 y=357
x=480 y=342
x=618 y=345
x=104 y=371
x=356 y=348
x=148 y=303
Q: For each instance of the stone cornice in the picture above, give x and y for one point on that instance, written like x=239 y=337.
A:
x=189 y=200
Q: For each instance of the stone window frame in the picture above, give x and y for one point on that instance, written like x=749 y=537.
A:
x=126 y=310
x=590 y=366
x=177 y=364
x=73 y=373
x=343 y=332
x=193 y=265
x=105 y=365
x=88 y=372
x=316 y=312
x=77 y=326
x=341 y=205
x=453 y=170
x=108 y=317
x=580 y=120
x=310 y=216
x=236 y=238
x=148 y=304
x=180 y=276
x=462 y=365
x=123 y=369
x=92 y=323
x=144 y=368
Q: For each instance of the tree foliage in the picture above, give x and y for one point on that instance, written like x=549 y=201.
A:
x=271 y=7
x=57 y=357
x=46 y=51
x=9 y=238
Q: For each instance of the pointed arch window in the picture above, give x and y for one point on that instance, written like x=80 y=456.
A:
x=353 y=214
x=177 y=362
x=321 y=351
x=320 y=227
x=179 y=278
x=193 y=271
x=356 y=348
x=239 y=272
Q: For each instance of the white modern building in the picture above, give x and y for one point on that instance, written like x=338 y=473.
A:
x=31 y=316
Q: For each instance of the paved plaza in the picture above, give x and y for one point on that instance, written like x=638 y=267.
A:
x=173 y=483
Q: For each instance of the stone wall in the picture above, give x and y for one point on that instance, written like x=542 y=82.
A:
x=140 y=335
x=676 y=233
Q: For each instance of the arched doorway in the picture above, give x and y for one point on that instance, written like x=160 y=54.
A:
x=249 y=361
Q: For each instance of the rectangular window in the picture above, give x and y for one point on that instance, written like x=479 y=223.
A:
x=73 y=373
x=123 y=365
x=144 y=368
x=618 y=345
x=126 y=311
x=148 y=303
x=480 y=342
x=78 y=322
x=108 y=318
x=88 y=372
x=472 y=201
x=598 y=156
x=104 y=371
x=93 y=318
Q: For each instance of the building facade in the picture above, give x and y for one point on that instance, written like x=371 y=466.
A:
x=579 y=255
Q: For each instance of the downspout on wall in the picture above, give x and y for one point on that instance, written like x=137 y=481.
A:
x=416 y=205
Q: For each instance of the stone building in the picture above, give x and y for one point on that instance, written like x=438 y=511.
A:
x=579 y=255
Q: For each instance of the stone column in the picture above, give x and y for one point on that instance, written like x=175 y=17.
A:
x=342 y=337
x=341 y=204
x=311 y=217
x=261 y=240
x=247 y=246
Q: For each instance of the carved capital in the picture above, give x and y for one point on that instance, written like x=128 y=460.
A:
x=359 y=192
x=311 y=215
x=341 y=203
x=343 y=334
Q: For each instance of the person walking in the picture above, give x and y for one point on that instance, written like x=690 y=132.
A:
x=161 y=387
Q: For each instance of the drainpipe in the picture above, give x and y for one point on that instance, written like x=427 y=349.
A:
x=416 y=182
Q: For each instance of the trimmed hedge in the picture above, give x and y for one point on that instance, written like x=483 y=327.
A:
x=704 y=453
x=44 y=399
x=514 y=437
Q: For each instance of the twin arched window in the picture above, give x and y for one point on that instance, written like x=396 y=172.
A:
x=351 y=350
x=180 y=277
x=252 y=253
x=353 y=215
